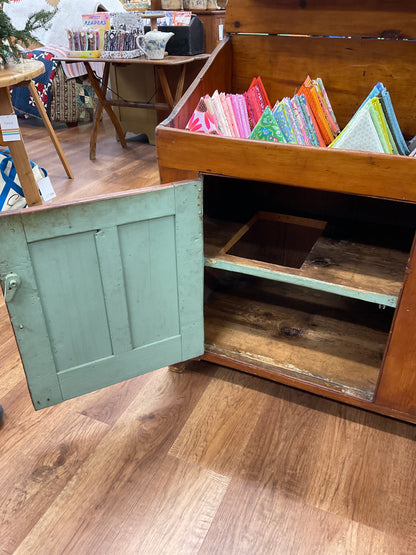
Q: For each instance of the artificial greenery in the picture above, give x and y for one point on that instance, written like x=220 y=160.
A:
x=11 y=38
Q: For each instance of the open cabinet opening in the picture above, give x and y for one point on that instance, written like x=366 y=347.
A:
x=303 y=285
x=322 y=338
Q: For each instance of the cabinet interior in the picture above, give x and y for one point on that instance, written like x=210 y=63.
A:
x=303 y=282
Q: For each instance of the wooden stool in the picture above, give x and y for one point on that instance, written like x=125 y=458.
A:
x=22 y=75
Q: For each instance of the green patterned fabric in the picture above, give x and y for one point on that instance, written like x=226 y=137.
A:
x=72 y=100
x=267 y=128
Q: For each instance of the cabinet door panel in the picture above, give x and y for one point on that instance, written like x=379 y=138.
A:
x=109 y=289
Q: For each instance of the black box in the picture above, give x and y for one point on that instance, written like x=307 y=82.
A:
x=188 y=40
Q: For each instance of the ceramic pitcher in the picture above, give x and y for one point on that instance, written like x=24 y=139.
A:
x=155 y=44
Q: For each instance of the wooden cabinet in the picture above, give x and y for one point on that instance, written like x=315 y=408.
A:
x=309 y=252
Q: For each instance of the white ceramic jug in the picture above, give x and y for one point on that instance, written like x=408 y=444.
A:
x=155 y=44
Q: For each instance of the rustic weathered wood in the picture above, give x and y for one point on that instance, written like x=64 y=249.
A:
x=165 y=85
x=290 y=164
x=397 y=386
x=138 y=260
x=299 y=332
x=349 y=69
x=343 y=266
x=105 y=103
x=368 y=18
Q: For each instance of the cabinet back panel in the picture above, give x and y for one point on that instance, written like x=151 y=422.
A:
x=359 y=18
x=349 y=69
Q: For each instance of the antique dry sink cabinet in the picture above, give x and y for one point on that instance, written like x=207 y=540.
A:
x=308 y=252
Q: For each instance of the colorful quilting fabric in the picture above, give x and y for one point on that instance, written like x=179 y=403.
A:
x=72 y=100
x=240 y=110
x=326 y=104
x=223 y=125
x=377 y=106
x=257 y=82
x=308 y=120
x=267 y=128
x=293 y=122
x=379 y=122
x=202 y=121
x=390 y=116
x=312 y=98
x=22 y=99
x=298 y=113
x=282 y=118
x=359 y=133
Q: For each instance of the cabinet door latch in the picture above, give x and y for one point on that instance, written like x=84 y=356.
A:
x=10 y=285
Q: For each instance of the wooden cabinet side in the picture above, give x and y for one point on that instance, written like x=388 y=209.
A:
x=397 y=385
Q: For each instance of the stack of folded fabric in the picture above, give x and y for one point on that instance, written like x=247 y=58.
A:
x=374 y=127
x=230 y=115
x=306 y=119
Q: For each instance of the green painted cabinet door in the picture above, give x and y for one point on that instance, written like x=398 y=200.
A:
x=104 y=290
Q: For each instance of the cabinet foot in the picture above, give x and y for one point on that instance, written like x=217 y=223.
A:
x=178 y=368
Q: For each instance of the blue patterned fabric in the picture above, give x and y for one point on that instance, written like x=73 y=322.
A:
x=21 y=97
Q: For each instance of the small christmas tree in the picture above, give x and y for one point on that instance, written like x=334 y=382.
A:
x=10 y=37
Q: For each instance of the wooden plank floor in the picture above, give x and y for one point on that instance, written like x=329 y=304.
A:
x=209 y=461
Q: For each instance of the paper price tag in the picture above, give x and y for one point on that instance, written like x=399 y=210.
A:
x=9 y=128
x=46 y=189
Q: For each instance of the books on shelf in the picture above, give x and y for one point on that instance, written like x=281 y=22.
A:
x=306 y=119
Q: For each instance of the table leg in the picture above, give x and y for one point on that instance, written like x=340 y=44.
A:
x=49 y=128
x=19 y=155
x=181 y=82
x=100 y=91
x=165 y=85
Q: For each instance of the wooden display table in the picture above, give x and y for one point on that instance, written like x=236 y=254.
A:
x=100 y=88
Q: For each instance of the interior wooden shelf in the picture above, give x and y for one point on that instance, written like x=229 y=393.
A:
x=325 y=339
x=300 y=251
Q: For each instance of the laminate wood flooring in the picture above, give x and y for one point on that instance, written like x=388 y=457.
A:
x=208 y=461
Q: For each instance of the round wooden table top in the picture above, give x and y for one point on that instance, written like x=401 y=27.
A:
x=11 y=74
